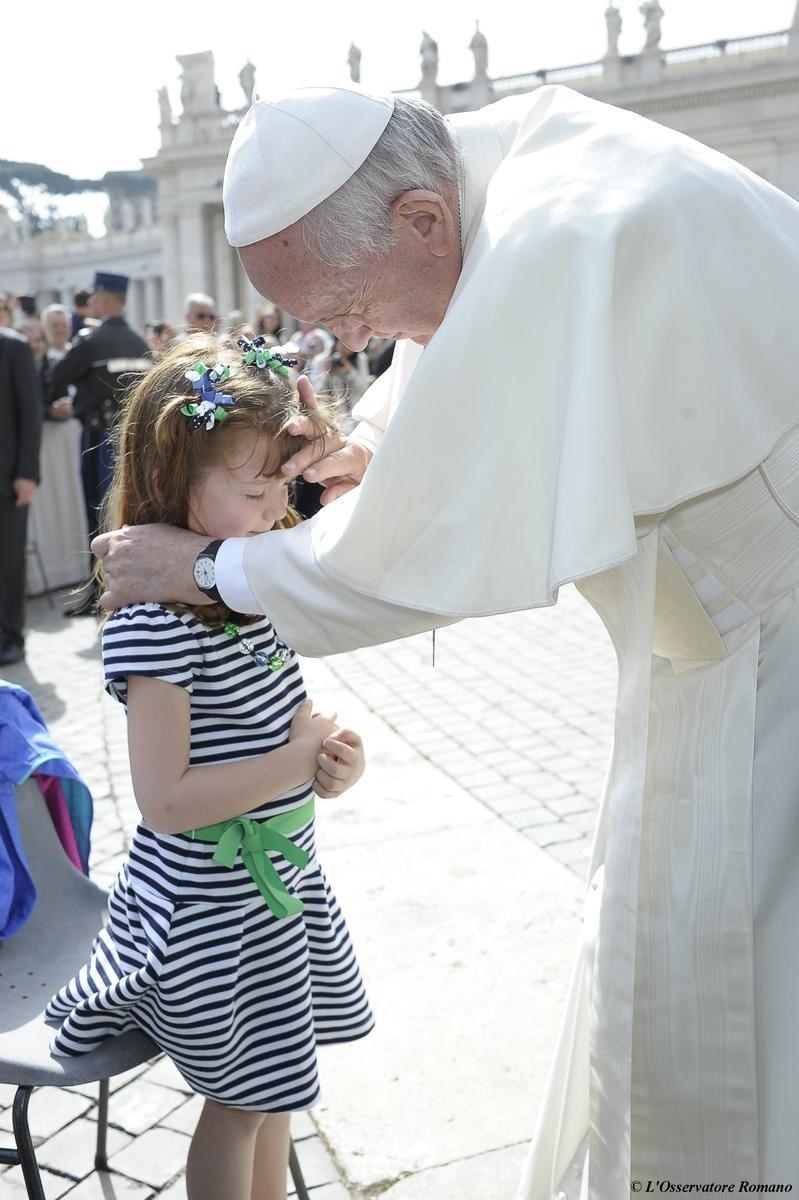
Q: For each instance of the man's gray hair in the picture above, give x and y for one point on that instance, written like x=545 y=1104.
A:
x=56 y=308
x=199 y=300
x=415 y=150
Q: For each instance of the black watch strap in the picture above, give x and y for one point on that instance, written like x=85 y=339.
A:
x=209 y=551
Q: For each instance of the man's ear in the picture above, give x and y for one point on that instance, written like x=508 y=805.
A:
x=428 y=218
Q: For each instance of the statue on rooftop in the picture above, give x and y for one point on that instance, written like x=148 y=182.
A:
x=479 y=48
x=354 y=63
x=652 y=13
x=429 y=55
x=613 y=23
x=247 y=80
x=198 y=91
x=164 y=106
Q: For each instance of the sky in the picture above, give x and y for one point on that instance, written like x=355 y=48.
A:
x=80 y=92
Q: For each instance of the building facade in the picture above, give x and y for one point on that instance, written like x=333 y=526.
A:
x=738 y=96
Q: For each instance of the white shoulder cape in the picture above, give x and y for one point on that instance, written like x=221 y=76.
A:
x=622 y=337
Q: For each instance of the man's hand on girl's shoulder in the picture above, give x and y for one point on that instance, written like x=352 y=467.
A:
x=149 y=562
x=341 y=763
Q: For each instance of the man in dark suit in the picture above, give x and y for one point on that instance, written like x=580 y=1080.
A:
x=102 y=363
x=21 y=424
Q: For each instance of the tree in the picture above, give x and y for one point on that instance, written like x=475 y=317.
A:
x=15 y=177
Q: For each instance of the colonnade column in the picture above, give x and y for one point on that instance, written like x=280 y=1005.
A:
x=153 y=303
x=224 y=267
x=195 y=275
x=173 y=293
x=250 y=299
x=134 y=305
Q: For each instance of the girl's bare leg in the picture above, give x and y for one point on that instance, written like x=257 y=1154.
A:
x=271 y=1158
x=222 y=1153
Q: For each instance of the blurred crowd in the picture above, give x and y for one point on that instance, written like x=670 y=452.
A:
x=63 y=372
x=337 y=373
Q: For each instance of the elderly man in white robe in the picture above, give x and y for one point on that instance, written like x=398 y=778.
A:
x=655 y=287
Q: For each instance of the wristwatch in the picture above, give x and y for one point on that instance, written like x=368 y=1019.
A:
x=204 y=571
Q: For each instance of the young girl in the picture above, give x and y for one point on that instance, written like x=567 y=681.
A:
x=224 y=941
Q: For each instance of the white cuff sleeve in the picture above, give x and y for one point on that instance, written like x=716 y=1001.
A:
x=231 y=578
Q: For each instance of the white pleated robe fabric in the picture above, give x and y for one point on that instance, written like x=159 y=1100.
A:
x=678 y=1060
x=620 y=351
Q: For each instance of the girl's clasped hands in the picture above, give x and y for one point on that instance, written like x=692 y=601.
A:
x=339 y=752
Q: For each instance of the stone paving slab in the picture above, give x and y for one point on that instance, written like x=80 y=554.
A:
x=484 y=1177
x=155 y=1157
x=48 y=1111
x=71 y=1151
x=102 y=1185
x=184 y=1119
x=142 y=1104
x=12 y=1186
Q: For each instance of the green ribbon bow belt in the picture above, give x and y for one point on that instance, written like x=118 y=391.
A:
x=253 y=839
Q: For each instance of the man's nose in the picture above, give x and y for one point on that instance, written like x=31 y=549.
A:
x=354 y=334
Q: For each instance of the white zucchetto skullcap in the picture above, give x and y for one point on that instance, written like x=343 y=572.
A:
x=291 y=153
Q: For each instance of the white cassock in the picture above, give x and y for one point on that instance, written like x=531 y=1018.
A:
x=622 y=346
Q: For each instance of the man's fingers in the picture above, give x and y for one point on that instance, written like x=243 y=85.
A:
x=343 y=462
x=339 y=489
x=301 y=426
x=340 y=463
x=103 y=541
x=297 y=464
x=306 y=393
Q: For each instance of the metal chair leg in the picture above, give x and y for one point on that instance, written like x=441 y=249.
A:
x=296 y=1174
x=101 y=1156
x=22 y=1137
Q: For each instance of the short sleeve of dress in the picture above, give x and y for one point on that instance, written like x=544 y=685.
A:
x=146 y=639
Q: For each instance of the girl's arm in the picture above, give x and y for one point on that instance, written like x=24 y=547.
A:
x=174 y=797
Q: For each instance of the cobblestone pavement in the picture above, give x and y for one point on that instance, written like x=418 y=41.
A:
x=517 y=710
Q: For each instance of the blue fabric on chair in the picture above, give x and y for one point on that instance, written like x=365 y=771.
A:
x=26 y=746
x=17 y=890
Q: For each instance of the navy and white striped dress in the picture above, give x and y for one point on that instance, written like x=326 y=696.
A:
x=191 y=953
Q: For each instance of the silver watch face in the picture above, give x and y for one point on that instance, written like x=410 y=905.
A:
x=204 y=574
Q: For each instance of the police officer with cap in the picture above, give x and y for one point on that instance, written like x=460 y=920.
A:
x=102 y=364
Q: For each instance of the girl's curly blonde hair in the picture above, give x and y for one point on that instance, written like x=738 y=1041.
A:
x=160 y=456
